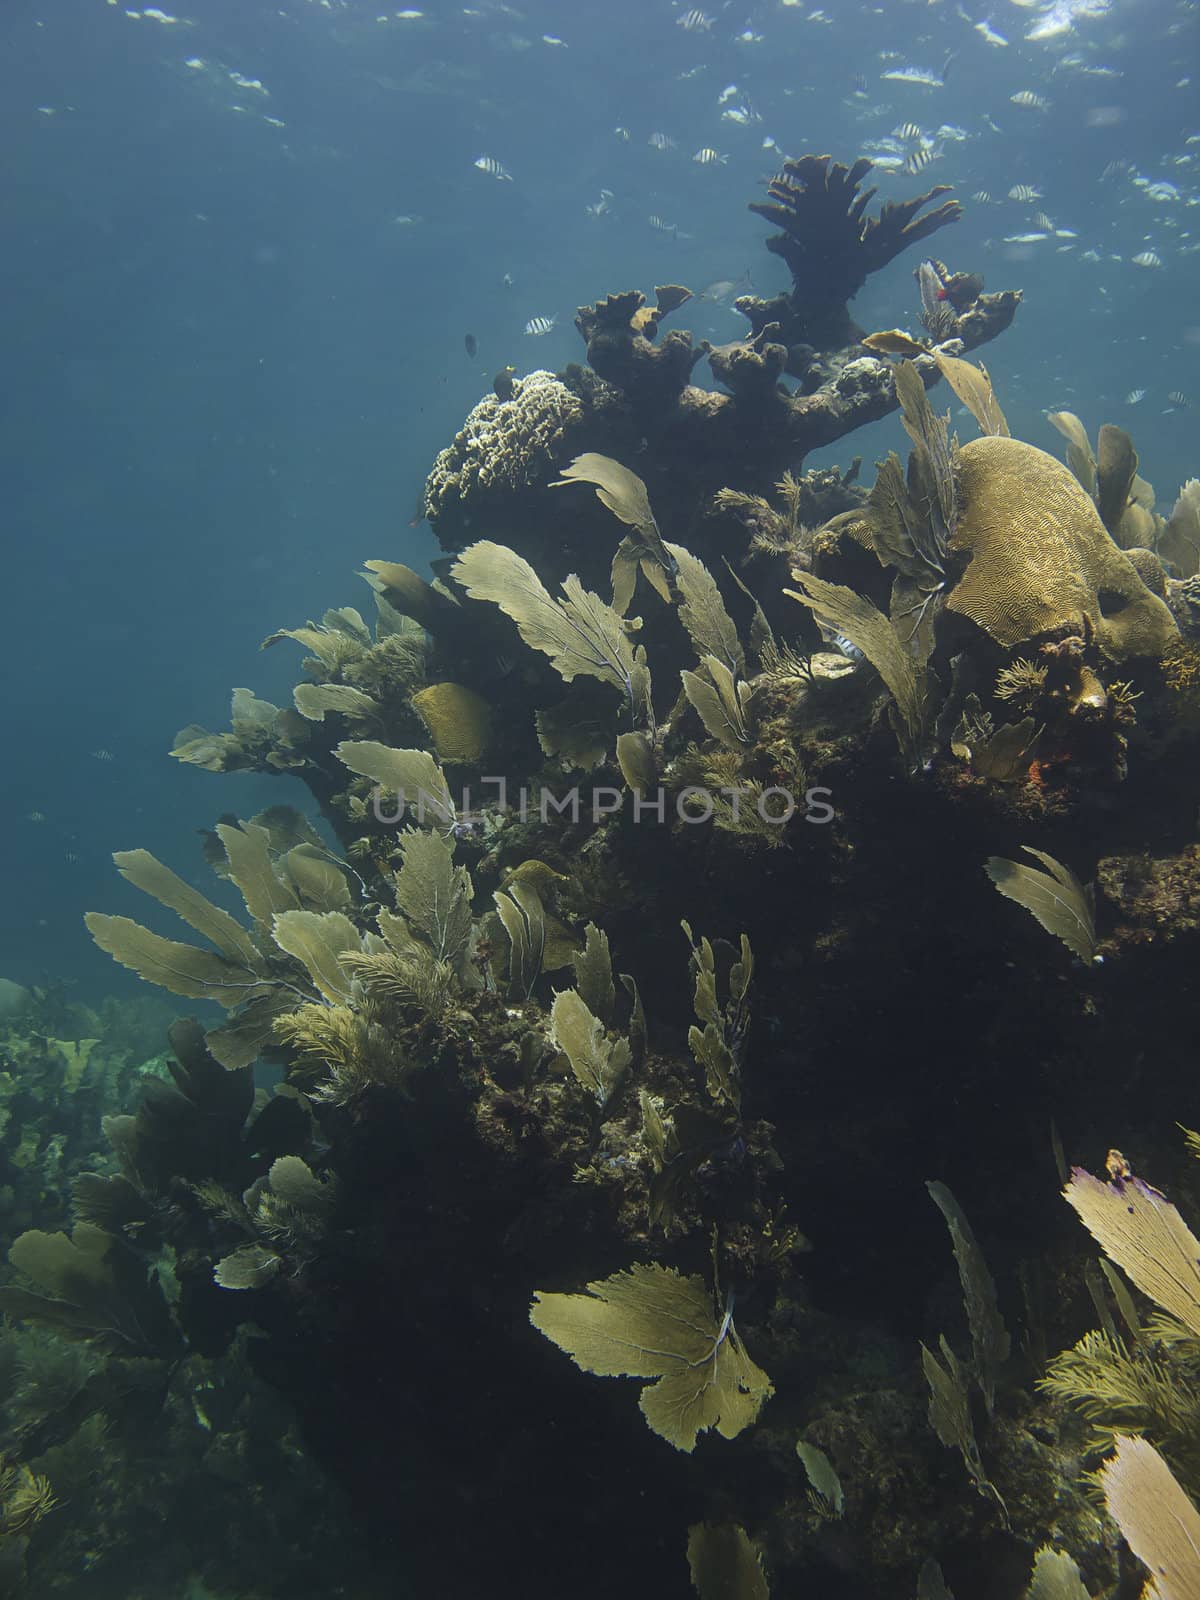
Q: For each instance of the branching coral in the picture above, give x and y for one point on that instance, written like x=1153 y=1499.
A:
x=638 y=390
x=831 y=246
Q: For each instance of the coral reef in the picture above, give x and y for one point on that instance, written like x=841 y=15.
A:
x=635 y=395
x=1157 y=898
x=504 y=445
x=1041 y=560
x=129 y=1419
x=639 y=965
x=831 y=245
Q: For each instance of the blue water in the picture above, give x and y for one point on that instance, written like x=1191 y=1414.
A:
x=229 y=361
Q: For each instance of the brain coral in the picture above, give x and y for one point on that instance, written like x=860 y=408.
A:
x=505 y=444
x=1041 y=559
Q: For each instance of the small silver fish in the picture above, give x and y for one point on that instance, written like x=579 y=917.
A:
x=1146 y=258
x=492 y=167
x=707 y=157
x=537 y=326
x=1135 y=397
x=1029 y=100
x=922 y=75
x=724 y=289
x=622 y=134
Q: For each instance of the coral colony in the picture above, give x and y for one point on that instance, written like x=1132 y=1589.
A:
x=525 y=1124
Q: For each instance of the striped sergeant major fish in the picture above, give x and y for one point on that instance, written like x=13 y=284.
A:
x=492 y=167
